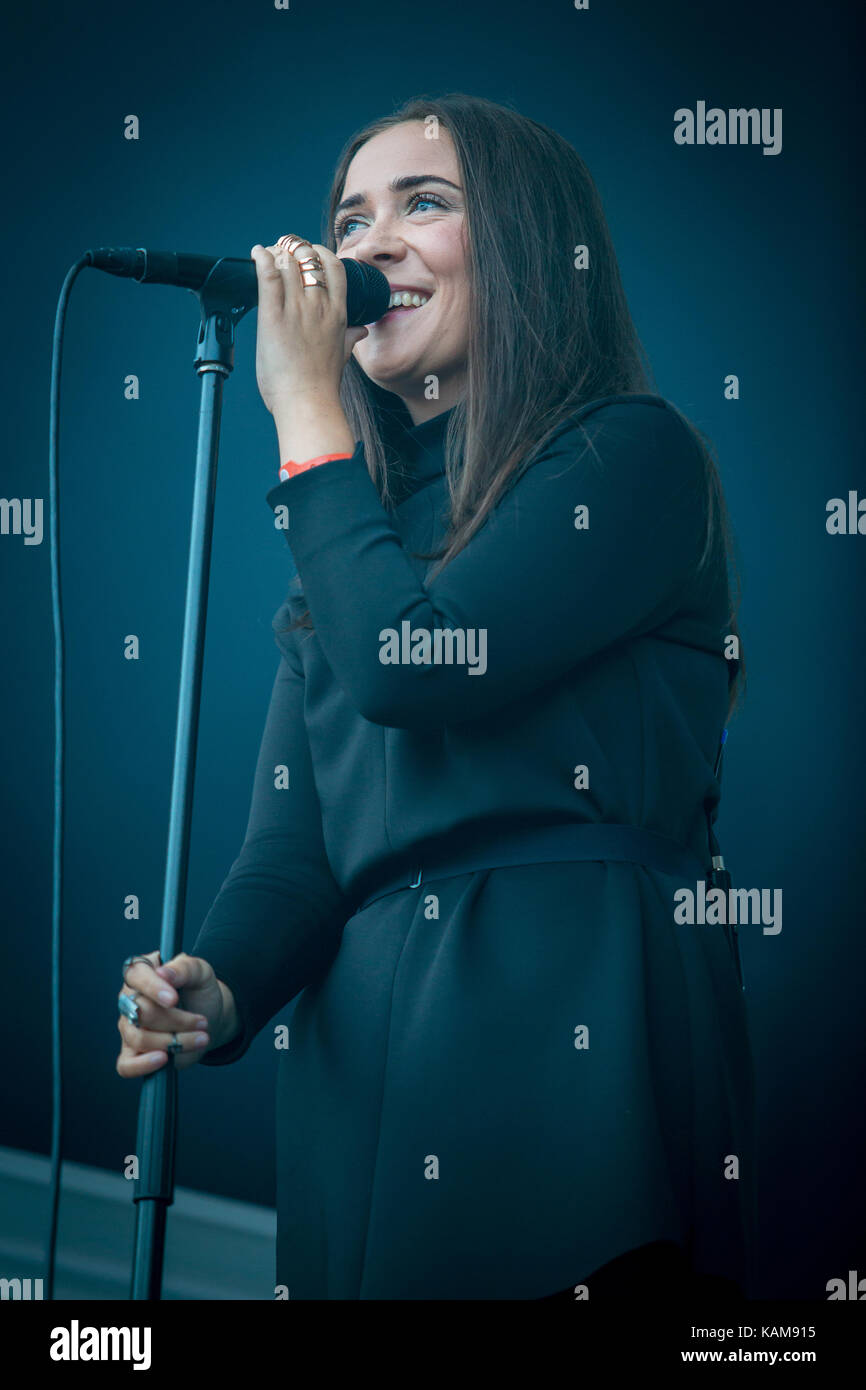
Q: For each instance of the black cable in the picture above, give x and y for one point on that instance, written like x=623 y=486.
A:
x=718 y=876
x=57 y=862
x=712 y=813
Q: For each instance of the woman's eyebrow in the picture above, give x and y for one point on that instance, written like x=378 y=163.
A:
x=398 y=185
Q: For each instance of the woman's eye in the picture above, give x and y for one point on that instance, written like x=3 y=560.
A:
x=344 y=228
x=426 y=198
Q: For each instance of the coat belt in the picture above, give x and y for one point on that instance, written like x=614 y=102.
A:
x=542 y=844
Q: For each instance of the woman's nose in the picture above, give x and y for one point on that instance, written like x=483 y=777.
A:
x=380 y=241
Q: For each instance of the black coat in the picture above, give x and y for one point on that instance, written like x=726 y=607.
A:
x=444 y=1130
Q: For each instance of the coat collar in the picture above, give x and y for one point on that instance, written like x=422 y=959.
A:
x=422 y=453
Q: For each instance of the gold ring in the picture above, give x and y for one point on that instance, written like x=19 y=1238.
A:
x=290 y=244
x=310 y=267
x=312 y=273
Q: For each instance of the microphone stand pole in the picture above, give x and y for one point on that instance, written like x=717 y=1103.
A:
x=223 y=302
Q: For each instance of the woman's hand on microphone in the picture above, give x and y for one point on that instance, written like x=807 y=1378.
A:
x=302 y=347
x=205 y=1017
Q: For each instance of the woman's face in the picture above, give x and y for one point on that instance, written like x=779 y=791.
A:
x=406 y=216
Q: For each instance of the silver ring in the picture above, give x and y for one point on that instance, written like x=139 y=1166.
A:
x=128 y=1006
x=174 y=1046
x=130 y=960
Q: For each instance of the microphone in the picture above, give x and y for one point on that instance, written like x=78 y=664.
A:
x=367 y=290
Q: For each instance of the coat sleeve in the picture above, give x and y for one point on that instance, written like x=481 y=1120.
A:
x=548 y=586
x=276 y=922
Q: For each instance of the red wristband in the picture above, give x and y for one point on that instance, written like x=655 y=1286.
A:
x=290 y=467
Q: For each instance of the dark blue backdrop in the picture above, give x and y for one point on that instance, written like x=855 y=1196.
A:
x=734 y=262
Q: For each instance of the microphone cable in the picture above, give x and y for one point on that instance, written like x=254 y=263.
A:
x=57 y=852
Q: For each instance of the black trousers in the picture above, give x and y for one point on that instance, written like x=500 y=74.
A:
x=656 y=1273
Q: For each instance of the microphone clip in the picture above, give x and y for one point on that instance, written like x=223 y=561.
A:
x=224 y=299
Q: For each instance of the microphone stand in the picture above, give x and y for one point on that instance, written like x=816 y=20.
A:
x=223 y=302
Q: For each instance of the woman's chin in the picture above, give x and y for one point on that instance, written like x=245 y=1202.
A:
x=390 y=374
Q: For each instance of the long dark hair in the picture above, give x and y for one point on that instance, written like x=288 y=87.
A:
x=543 y=339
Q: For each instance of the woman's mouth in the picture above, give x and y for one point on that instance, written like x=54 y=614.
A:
x=403 y=300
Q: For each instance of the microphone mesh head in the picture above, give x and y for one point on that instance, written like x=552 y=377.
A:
x=368 y=293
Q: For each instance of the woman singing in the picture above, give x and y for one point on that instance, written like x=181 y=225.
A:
x=490 y=761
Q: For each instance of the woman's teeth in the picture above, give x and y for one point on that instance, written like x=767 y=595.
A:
x=404 y=299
